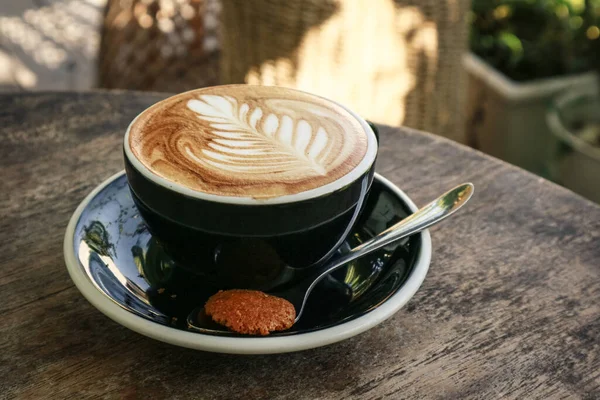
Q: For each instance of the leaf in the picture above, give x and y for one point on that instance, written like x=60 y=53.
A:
x=256 y=140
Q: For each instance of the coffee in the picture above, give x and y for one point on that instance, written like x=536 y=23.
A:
x=249 y=141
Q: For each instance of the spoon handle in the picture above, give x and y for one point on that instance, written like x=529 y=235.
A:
x=439 y=209
x=434 y=212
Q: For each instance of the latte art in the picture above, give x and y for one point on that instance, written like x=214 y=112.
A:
x=248 y=141
x=278 y=144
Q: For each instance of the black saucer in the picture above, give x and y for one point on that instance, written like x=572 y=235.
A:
x=124 y=262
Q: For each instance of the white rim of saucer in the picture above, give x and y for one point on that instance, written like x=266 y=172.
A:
x=245 y=345
x=345 y=180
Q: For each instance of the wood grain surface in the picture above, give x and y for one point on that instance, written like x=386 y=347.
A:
x=510 y=308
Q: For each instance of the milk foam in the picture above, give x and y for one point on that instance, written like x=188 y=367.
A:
x=248 y=141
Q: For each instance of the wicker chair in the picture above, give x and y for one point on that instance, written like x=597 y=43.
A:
x=396 y=62
x=159 y=45
x=393 y=61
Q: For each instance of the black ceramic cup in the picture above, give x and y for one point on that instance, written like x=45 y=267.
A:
x=235 y=242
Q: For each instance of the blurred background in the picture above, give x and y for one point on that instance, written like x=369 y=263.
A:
x=516 y=79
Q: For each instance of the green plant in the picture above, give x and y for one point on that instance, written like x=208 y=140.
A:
x=531 y=39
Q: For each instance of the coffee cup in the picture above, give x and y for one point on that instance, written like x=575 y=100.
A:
x=247 y=185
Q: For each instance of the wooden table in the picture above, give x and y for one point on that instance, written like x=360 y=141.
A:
x=510 y=308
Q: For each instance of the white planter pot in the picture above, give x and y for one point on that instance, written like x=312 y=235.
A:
x=507 y=119
x=576 y=163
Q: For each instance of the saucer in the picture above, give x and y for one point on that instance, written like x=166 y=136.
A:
x=119 y=268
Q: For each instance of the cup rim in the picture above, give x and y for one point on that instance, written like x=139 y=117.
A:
x=364 y=166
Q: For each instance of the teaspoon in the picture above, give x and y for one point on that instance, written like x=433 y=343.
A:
x=434 y=212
